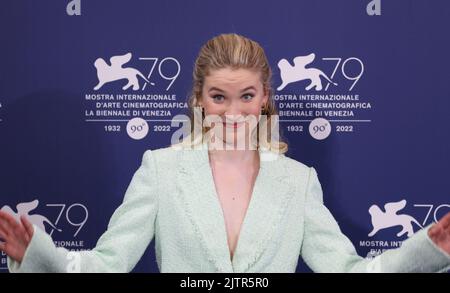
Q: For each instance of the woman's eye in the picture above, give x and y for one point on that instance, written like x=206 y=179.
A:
x=247 y=97
x=218 y=98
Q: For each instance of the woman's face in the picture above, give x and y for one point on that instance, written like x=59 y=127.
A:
x=234 y=95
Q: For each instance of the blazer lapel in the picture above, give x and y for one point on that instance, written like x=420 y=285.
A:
x=196 y=187
x=271 y=194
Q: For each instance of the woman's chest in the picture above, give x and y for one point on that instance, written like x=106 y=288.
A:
x=234 y=192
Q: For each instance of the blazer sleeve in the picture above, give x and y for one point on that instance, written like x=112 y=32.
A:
x=326 y=249
x=129 y=232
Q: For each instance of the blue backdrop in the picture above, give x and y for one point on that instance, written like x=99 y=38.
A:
x=382 y=138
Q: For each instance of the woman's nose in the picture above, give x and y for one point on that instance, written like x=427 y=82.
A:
x=234 y=116
x=234 y=110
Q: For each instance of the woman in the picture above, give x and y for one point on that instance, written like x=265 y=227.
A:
x=215 y=207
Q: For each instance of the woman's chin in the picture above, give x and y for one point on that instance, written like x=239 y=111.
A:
x=238 y=140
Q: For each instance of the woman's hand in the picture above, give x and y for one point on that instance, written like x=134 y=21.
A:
x=440 y=233
x=15 y=235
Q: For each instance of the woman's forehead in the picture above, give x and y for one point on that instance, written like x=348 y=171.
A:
x=232 y=79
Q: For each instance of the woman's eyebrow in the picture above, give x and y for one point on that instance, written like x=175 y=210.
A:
x=219 y=90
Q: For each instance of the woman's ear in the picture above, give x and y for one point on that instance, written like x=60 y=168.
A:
x=266 y=97
x=199 y=103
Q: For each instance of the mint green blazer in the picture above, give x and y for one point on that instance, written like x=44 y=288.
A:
x=172 y=198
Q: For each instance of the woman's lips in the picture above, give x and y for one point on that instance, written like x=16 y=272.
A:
x=233 y=125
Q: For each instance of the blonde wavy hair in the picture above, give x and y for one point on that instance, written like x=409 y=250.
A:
x=236 y=52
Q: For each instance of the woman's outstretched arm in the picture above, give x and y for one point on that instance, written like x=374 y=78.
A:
x=326 y=249
x=130 y=230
